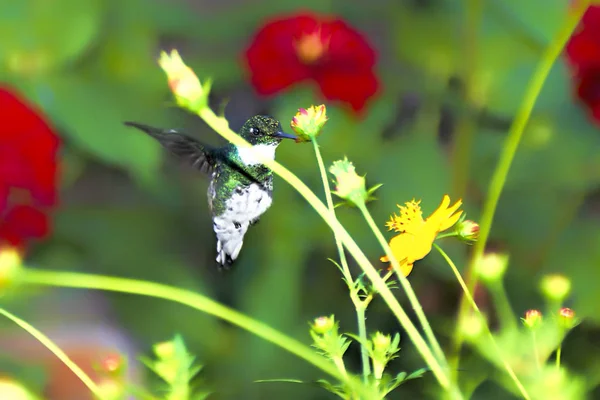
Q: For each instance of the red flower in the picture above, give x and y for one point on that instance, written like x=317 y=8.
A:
x=306 y=46
x=583 y=53
x=28 y=170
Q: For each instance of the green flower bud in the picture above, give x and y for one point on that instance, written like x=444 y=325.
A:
x=381 y=342
x=472 y=326
x=566 y=318
x=349 y=185
x=555 y=287
x=492 y=266
x=323 y=325
x=13 y=390
x=533 y=318
x=467 y=230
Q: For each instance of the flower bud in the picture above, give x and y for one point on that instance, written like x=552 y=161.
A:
x=308 y=123
x=472 y=326
x=323 y=325
x=112 y=363
x=187 y=89
x=533 y=318
x=381 y=342
x=566 y=318
x=467 y=230
x=349 y=185
x=111 y=389
x=491 y=266
x=555 y=287
x=10 y=264
x=13 y=390
x=164 y=350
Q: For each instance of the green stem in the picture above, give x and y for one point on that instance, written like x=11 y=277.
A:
x=536 y=352
x=410 y=293
x=359 y=306
x=446 y=235
x=339 y=363
x=57 y=351
x=191 y=299
x=507 y=155
x=507 y=317
x=558 y=352
x=221 y=126
x=471 y=301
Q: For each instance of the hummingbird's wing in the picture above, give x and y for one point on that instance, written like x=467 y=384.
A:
x=200 y=156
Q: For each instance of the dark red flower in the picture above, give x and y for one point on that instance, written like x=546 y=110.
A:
x=307 y=46
x=28 y=171
x=583 y=53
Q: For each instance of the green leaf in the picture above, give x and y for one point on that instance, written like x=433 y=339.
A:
x=93 y=114
x=38 y=35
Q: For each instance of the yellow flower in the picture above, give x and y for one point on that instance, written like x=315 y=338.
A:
x=308 y=123
x=416 y=234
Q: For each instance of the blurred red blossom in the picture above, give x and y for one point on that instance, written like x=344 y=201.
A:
x=28 y=171
x=307 y=46
x=583 y=53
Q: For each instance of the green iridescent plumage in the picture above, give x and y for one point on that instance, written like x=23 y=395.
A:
x=241 y=186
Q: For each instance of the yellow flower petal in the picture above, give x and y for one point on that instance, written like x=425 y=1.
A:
x=450 y=221
x=417 y=235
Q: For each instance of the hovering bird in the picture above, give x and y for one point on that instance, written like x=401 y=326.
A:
x=241 y=187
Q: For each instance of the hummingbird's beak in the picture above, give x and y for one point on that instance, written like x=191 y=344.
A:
x=284 y=135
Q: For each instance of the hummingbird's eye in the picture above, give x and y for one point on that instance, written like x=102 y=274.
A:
x=255 y=131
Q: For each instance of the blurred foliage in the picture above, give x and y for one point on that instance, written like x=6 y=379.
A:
x=446 y=65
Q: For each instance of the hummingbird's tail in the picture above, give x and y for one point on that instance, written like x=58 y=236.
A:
x=201 y=156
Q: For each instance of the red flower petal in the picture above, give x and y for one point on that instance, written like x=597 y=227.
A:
x=352 y=87
x=348 y=48
x=22 y=223
x=588 y=90
x=272 y=58
x=28 y=169
x=28 y=149
x=343 y=66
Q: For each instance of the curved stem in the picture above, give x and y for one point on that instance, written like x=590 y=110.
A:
x=359 y=305
x=191 y=299
x=57 y=351
x=410 y=293
x=221 y=126
x=508 y=153
x=558 y=351
x=471 y=301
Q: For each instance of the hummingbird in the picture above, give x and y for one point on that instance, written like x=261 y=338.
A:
x=241 y=187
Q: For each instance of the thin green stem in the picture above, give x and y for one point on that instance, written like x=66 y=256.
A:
x=338 y=243
x=446 y=235
x=471 y=301
x=359 y=306
x=188 y=298
x=507 y=317
x=410 y=293
x=221 y=126
x=57 y=351
x=536 y=352
x=558 y=352
x=507 y=155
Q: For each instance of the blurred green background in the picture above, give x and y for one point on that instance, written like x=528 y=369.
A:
x=447 y=67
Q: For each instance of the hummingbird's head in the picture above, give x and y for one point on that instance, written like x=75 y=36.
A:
x=262 y=129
